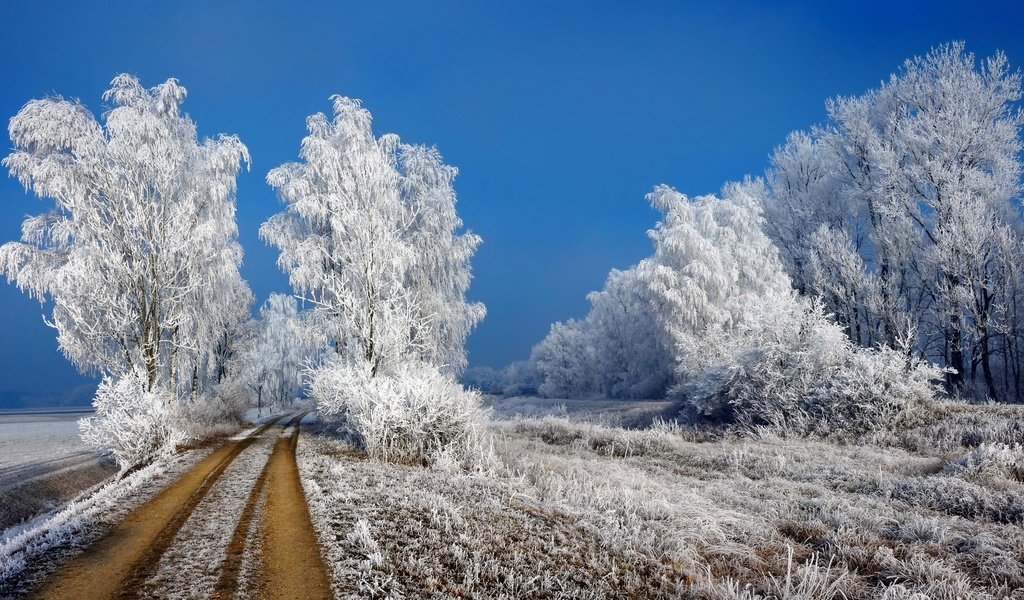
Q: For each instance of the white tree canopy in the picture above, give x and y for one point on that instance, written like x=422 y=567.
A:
x=906 y=207
x=714 y=273
x=139 y=254
x=371 y=238
x=279 y=350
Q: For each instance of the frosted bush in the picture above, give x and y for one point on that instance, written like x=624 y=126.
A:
x=133 y=424
x=802 y=375
x=412 y=413
x=957 y=496
x=218 y=413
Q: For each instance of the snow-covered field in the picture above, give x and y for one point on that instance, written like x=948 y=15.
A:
x=29 y=437
x=583 y=508
x=43 y=463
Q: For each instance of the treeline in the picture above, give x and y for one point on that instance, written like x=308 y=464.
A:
x=899 y=216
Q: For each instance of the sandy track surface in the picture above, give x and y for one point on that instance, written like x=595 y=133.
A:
x=293 y=567
x=273 y=530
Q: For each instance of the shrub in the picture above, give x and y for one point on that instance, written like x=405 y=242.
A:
x=989 y=461
x=802 y=375
x=133 y=424
x=956 y=496
x=218 y=413
x=411 y=414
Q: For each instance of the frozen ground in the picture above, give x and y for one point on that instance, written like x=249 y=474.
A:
x=578 y=507
x=31 y=551
x=191 y=565
x=33 y=437
x=43 y=463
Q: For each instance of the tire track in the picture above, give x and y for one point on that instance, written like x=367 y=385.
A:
x=292 y=566
x=227 y=585
x=119 y=563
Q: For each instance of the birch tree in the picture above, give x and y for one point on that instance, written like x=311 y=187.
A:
x=138 y=254
x=714 y=273
x=371 y=238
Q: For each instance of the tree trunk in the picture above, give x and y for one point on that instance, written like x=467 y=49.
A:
x=955 y=380
x=986 y=367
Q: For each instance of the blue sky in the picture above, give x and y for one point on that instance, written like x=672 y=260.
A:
x=560 y=116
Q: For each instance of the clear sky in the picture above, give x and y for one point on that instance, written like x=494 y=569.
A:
x=559 y=115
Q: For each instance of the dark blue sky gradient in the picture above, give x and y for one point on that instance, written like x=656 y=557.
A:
x=560 y=116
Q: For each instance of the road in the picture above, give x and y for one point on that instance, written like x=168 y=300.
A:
x=234 y=526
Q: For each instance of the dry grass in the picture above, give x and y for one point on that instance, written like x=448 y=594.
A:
x=577 y=508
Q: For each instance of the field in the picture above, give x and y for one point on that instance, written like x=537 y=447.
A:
x=43 y=463
x=573 y=501
x=577 y=507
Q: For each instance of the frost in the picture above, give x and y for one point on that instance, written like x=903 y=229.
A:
x=412 y=414
x=135 y=425
x=139 y=257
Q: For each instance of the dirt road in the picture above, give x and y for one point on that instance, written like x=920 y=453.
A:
x=271 y=539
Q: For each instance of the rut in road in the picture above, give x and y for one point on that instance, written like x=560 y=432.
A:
x=291 y=565
x=119 y=563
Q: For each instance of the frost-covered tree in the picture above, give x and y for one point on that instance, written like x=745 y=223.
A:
x=486 y=379
x=439 y=276
x=139 y=254
x=371 y=238
x=620 y=350
x=521 y=378
x=714 y=273
x=632 y=353
x=802 y=182
x=565 y=360
x=280 y=348
x=928 y=167
x=714 y=313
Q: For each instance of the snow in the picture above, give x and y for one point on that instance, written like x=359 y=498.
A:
x=29 y=438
